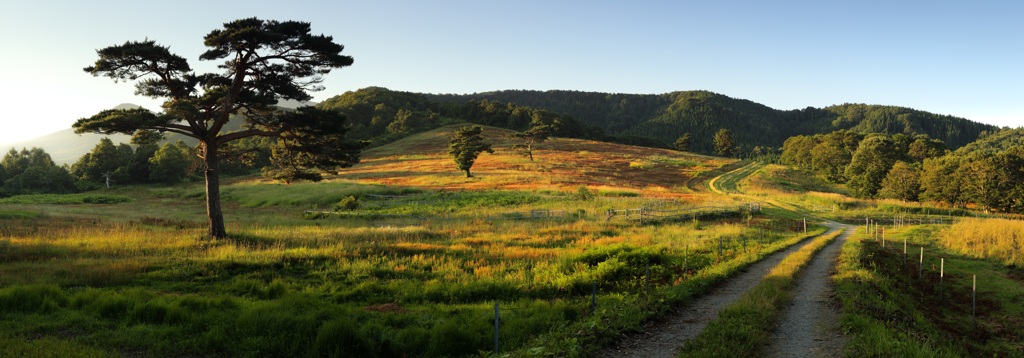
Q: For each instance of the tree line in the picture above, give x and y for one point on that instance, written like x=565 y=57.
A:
x=659 y=119
x=984 y=175
x=380 y=116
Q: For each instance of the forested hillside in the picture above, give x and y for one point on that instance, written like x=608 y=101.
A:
x=380 y=115
x=665 y=117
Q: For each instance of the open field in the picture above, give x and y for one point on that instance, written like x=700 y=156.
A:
x=418 y=260
x=129 y=272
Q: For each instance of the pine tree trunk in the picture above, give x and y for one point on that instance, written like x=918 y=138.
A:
x=213 y=192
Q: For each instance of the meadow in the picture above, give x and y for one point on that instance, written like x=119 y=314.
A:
x=120 y=279
x=129 y=271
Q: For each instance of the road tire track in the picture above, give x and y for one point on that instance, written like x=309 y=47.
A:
x=810 y=326
x=664 y=336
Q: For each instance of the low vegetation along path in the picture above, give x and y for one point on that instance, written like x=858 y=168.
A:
x=667 y=334
x=809 y=327
x=726 y=183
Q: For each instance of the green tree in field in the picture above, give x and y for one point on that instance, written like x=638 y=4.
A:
x=106 y=163
x=796 y=151
x=683 y=142
x=466 y=145
x=830 y=160
x=262 y=61
x=302 y=148
x=994 y=181
x=942 y=180
x=870 y=163
x=171 y=163
x=541 y=128
x=833 y=153
x=902 y=182
x=725 y=143
x=923 y=148
x=32 y=171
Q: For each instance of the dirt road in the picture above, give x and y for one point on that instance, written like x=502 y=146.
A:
x=809 y=327
x=663 y=337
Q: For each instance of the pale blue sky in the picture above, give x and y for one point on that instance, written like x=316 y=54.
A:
x=959 y=58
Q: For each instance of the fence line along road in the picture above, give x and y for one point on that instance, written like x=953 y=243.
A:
x=649 y=215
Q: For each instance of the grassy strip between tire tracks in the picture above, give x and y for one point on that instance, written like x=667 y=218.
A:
x=618 y=314
x=743 y=328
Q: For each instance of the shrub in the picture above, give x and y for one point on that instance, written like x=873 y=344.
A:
x=584 y=194
x=349 y=203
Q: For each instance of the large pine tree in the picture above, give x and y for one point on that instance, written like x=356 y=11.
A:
x=264 y=61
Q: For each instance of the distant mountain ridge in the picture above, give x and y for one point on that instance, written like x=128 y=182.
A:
x=665 y=117
x=644 y=119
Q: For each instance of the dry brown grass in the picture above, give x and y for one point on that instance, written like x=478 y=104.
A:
x=560 y=164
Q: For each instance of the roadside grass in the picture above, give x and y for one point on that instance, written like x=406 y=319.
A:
x=743 y=328
x=890 y=311
x=998 y=239
x=623 y=314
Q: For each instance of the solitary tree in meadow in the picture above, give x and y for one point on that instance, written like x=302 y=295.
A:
x=725 y=143
x=466 y=145
x=264 y=61
x=540 y=130
x=683 y=142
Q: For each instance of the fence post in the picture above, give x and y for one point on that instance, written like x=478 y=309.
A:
x=974 y=299
x=904 y=253
x=920 y=263
x=497 y=318
x=942 y=274
x=593 y=297
x=805 y=226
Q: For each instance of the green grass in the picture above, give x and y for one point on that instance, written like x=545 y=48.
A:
x=139 y=278
x=890 y=311
x=65 y=199
x=743 y=328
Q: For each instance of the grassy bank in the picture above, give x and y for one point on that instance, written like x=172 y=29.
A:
x=892 y=311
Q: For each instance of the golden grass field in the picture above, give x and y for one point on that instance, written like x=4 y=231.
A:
x=560 y=164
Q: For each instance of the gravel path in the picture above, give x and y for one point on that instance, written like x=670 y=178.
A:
x=667 y=334
x=809 y=327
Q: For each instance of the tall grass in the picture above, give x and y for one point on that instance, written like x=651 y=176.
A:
x=879 y=315
x=998 y=239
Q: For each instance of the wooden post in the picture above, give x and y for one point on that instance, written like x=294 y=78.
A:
x=904 y=252
x=920 y=264
x=805 y=226
x=974 y=299
x=942 y=271
x=883 y=237
x=497 y=318
x=593 y=297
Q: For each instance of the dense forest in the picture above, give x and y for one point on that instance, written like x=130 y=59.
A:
x=379 y=115
x=665 y=117
x=987 y=174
